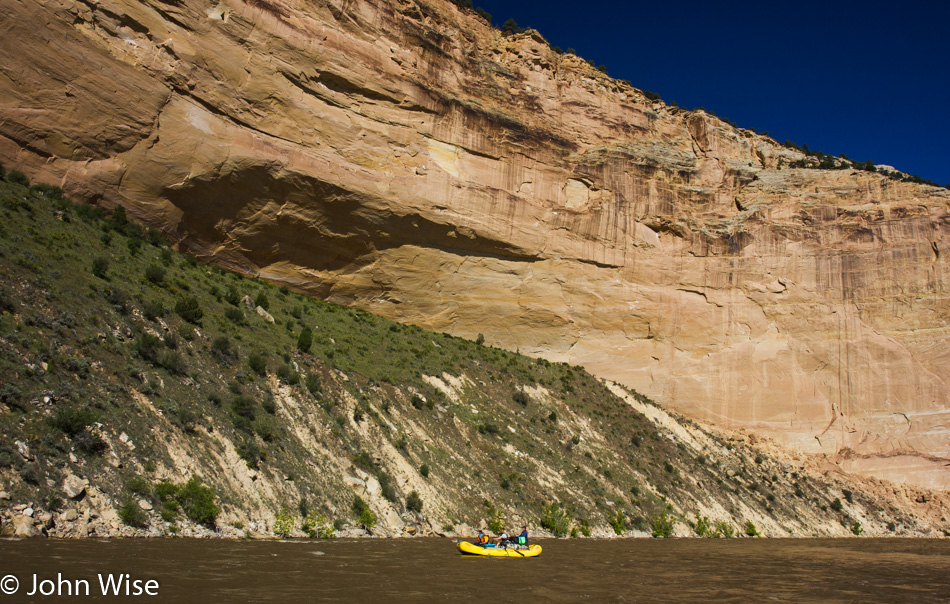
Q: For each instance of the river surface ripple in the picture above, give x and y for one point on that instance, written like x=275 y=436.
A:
x=423 y=570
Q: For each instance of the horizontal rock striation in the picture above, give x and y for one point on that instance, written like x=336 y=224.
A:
x=403 y=157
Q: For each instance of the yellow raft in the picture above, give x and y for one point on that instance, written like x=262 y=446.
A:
x=499 y=552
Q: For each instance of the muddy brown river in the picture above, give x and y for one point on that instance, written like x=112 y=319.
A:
x=431 y=570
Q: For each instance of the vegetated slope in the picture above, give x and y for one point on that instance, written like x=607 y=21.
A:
x=132 y=375
x=405 y=158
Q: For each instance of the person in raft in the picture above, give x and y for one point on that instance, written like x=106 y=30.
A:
x=482 y=538
x=501 y=539
x=522 y=539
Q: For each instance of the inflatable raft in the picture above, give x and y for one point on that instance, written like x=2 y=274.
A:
x=499 y=551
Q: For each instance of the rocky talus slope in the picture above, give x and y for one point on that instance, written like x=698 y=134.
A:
x=403 y=157
x=143 y=393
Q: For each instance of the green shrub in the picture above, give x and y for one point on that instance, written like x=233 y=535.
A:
x=170 y=340
x=244 y=406
x=424 y=470
x=147 y=346
x=155 y=273
x=270 y=406
x=167 y=491
x=12 y=396
x=262 y=301
x=18 y=178
x=305 y=340
x=488 y=428
x=251 y=453
x=856 y=528
x=131 y=514
x=233 y=297
x=367 y=519
x=702 y=526
x=318 y=526
x=313 y=384
x=495 y=520
x=221 y=348
x=750 y=529
x=618 y=522
x=90 y=444
x=414 y=502
x=189 y=309
x=365 y=516
x=284 y=524
x=100 y=266
x=172 y=361
x=511 y=27
x=556 y=520
x=118 y=217
x=257 y=363
x=724 y=530
x=386 y=488
x=138 y=486
x=7 y=303
x=662 y=526
x=266 y=427
x=134 y=244
x=153 y=309
x=71 y=420
x=287 y=375
x=234 y=315
x=197 y=501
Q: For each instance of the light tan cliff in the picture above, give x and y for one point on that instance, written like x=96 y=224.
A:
x=403 y=157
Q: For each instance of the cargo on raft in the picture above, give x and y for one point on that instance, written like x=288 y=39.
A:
x=499 y=551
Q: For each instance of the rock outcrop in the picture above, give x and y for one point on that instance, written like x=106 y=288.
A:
x=403 y=157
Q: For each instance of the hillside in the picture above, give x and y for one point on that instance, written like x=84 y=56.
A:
x=135 y=379
x=405 y=158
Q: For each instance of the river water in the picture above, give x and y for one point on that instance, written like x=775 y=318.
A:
x=431 y=570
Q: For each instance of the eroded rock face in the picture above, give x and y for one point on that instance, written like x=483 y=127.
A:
x=403 y=157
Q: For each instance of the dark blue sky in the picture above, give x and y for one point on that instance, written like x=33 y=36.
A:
x=867 y=79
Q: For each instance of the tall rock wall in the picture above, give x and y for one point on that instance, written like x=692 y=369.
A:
x=403 y=157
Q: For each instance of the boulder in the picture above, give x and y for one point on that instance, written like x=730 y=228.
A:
x=24 y=450
x=372 y=486
x=392 y=521
x=23 y=526
x=69 y=515
x=74 y=486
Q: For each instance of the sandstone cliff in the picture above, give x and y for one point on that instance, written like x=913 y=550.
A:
x=403 y=157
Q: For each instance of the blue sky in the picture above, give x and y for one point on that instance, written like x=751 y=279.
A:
x=867 y=79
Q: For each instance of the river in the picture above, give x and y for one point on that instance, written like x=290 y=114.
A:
x=430 y=570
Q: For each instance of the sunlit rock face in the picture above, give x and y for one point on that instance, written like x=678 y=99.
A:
x=403 y=157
